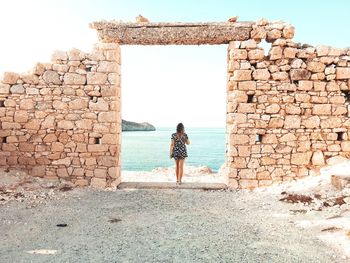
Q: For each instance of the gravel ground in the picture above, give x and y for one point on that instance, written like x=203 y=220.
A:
x=170 y=225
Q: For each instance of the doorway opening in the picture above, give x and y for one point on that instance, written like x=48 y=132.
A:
x=165 y=85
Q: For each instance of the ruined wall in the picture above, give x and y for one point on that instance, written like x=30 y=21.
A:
x=63 y=119
x=287 y=112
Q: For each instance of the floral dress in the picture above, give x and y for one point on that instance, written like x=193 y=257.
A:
x=179 y=151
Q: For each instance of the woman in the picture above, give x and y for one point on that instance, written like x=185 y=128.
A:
x=178 y=150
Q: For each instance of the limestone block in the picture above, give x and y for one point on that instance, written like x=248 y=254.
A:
x=108 y=161
x=4 y=88
x=38 y=171
x=280 y=76
x=301 y=158
x=100 y=105
x=240 y=75
x=17 y=89
x=239 y=139
x=261 y=74
x=297 y=63
x=315 y=66
x=275 y=53
x=62 y=172
x=21 y=116
x=247 y=85
x=96 y=78
x=51 y=77
x=74 y=79
x=10 y=78
x=107 y=66
x=57 y=147
x=290 y=52
x=81 y=182
x=343 y=73
x=247 y=174
x=26 y=147
x=284 y=149
x=337 y=99
x=59 y=105
x=26 y=104
x=246 y=107
x=276 y=123
x=331 y=122
x=292 y=122
x=256 y=54
x=305 y=85
x=78 y=104
x=84 y=124
x=97 y=148
x=100 y=173
x=332 y=86
x=258 y=33
x=107 y=117
x=236 y=54
x=273 y=108
x=322 y=50
x=300 y=74
x=98 y=182
x=239 y=163
x=322 y=109
x=33 y=124
x=269 y=139
x=318 y=158
x=289 y=137
x=339 y=110
x=65 y=125
x=312 y=122
x=32 y=91
x=266 y=160
x=345 y=146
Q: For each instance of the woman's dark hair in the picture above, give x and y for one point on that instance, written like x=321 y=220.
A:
x=180 y=128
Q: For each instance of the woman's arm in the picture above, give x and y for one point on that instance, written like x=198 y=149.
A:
x=171 y=147
x=187 y=140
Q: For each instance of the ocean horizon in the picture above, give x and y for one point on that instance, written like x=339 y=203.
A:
x=147 y=150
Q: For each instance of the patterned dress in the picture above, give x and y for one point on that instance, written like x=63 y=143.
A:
x=179 y=151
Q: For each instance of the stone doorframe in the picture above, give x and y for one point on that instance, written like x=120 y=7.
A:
x=287 y=112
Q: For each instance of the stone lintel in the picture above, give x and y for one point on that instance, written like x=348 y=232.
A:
x=212 y=33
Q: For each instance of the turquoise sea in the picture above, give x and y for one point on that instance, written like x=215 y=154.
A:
x=144 y=151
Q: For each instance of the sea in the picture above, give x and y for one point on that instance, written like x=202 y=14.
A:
x=146 y=150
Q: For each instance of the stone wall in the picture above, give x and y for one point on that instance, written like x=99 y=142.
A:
x=288 y=111
x=63 y=119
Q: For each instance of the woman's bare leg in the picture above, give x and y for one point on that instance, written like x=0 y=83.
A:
x=181 y=169
x=177 y=170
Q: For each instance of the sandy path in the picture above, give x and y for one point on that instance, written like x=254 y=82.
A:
x=160 y=226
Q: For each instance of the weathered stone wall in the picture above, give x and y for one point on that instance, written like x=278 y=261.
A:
x=287 y=112
x=63 y=119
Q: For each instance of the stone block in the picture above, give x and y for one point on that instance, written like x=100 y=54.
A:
x=318 y=158
x=275 y=53
x=107 y=117
x=247 y=85
x=10 y=78
x=248 y=184
x=292 y=122
x=17 y=89
x=315 y=66
x=312 y=122
x=241 y=75
x=51 y=77
x=343 y=73
x=247 y=174
x=96 y=78
x=301 y=158
x=246 y=108
x=322 y=109
x=98 y=183
x=300 y=74
x=74 y=79
x=78 y=104
x=65 y=125
x=261 y=74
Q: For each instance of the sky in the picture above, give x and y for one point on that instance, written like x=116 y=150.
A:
x=162 y=85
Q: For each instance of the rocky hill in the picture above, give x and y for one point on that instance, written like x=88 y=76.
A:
x=134 y=126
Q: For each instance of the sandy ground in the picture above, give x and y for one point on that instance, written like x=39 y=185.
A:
x=172 y=225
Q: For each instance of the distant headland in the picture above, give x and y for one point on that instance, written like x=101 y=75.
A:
x=134 y=126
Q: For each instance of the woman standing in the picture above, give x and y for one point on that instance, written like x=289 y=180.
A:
x=178 y=150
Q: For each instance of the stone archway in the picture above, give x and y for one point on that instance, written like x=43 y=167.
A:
x=287 y=113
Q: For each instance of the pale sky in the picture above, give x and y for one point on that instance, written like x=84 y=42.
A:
x=160 y=84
